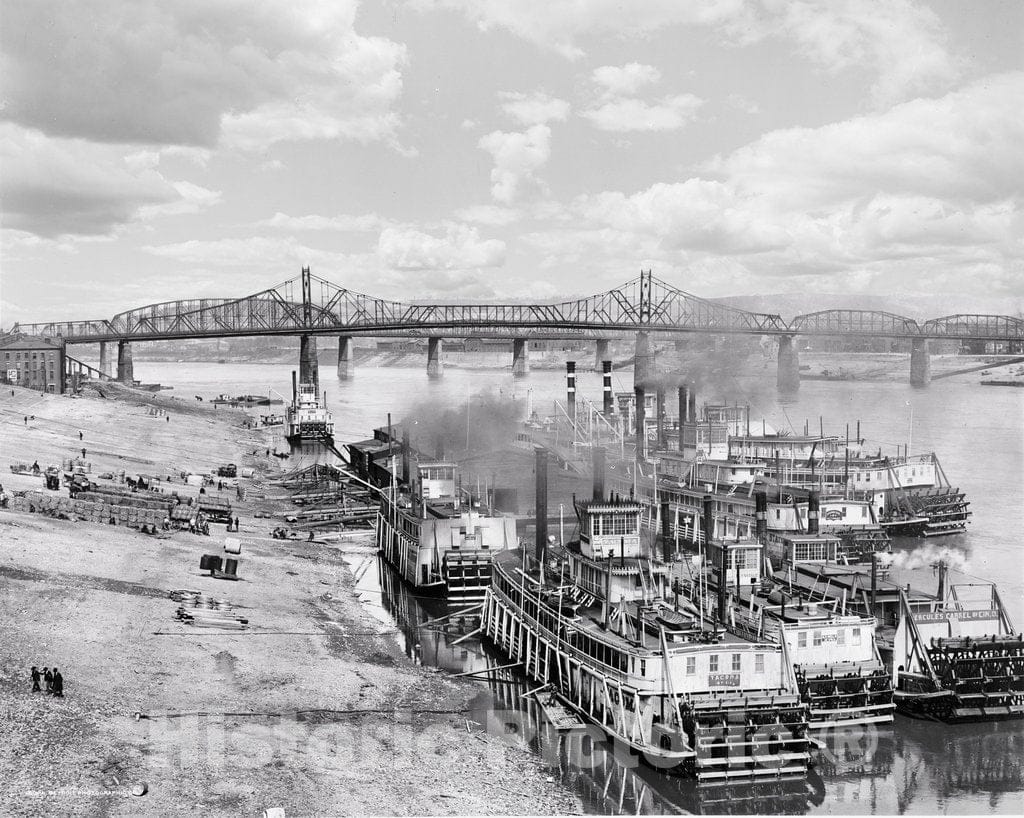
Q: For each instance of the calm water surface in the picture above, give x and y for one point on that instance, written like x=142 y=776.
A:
x=915 y=767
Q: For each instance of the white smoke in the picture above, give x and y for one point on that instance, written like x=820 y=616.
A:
x=925 y=556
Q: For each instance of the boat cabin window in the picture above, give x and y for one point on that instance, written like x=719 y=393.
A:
x=643 y=667
x=841 y=637
x=758 y=663
x=801 y=639
x=691 y=665
x=855 y=636
x=713 y=663
x=817 y=639
x=735 y=662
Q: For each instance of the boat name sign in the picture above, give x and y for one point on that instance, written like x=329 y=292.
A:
x=724 y=680
x=942 y=616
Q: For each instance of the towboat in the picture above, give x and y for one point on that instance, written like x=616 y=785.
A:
x=306 y=418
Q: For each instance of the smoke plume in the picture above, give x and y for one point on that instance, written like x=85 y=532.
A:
x=925 y=556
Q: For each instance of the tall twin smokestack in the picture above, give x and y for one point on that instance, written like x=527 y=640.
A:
x=812 y=512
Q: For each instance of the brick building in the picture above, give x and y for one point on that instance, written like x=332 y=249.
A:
x=32 y=362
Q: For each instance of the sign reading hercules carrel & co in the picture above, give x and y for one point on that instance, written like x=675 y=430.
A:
x=724 y=680
x=963 y=616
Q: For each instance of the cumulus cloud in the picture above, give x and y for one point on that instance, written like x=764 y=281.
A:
x=408 y=248
x=517 y=157
x=534 y=109
x=900 y=42
x=247 y=74
x=491 y=215
x=666 y=114
x=626 y=79
x=364 y=223
x=67 y=187
x=926 y=195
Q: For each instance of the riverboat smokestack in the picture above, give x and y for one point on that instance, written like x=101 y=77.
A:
x=405 y=456
x=660 y=409
x=598 y=465
x=541 y=469
x=570 y=390
x=682 y=414
x=607 y=387
x=942 y=581
x=640 y=398
x=295 y=388
x=439 y=448
x=666 y=532
x=761 y=515
x=691 y=405
x=708 y=520
x=812 y=512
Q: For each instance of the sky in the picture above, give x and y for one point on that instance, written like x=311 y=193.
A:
x=508 y=150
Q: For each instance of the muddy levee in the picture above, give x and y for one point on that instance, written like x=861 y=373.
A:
x=312 y=707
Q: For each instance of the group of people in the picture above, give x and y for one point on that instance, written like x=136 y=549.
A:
x=53 y=680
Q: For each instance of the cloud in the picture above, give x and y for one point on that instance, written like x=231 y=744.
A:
x=364 y=223
x=517 y=157
x=407 y=248
x=559 y=24
x=625 y=80
x=623 y=115
x=67 y=187
x=924 y=196
x=534 y=109
x=247 y=74
x=901 y=43
x=491 y=215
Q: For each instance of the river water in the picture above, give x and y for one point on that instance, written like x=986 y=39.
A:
x=914 y=767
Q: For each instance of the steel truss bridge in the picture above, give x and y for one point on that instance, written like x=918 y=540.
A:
x=309 y=305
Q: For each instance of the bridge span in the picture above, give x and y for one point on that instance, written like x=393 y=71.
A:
x=309 y=306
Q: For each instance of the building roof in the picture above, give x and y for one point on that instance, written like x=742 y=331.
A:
x=23 y=341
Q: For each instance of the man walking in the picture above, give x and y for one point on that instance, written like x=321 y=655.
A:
x=58 y=683
x=48 y=678
x=83 y=453
x=35 y=680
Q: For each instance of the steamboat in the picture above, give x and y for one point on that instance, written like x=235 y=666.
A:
x=592 y=622
x=438 y=537
x=306 y=418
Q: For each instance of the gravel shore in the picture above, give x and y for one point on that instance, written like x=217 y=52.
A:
x=313 y=708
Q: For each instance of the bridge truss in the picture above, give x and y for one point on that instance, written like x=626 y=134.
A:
x=309 y=304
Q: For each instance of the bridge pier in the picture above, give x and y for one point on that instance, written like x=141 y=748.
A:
x=346 y=361
x=602 y=353
x=435 y=366
x=106 y=365
x=920 y=363
x=125 y=368
x=309 y=365
x=520 y=358
x=644 y=366
x=788 y=377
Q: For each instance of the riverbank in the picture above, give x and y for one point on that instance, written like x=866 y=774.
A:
x=313 y=708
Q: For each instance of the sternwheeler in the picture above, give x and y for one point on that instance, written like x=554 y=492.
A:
x=593 y=623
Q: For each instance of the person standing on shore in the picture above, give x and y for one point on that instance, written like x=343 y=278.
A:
x=80 y=434
x=48 y=678
x=58 y=683
x=35 y=680
x=83 y=453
